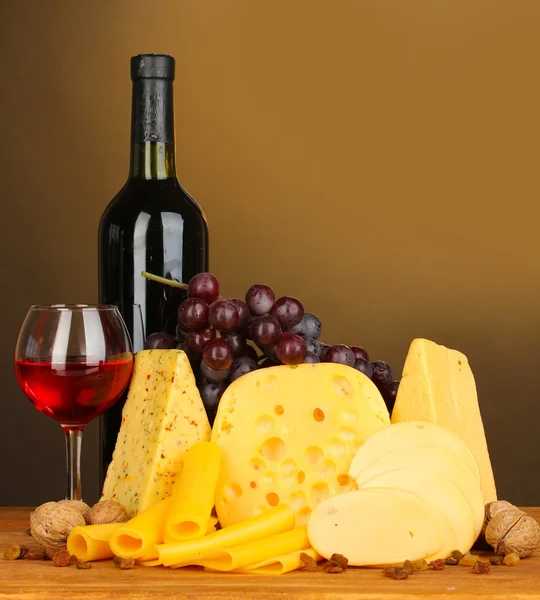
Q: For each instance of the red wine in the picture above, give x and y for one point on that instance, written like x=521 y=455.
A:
x=75 y=392
x=152 y=225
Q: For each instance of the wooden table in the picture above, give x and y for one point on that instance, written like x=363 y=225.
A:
x=40 y=579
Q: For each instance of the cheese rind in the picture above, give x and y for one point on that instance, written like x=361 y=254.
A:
x=438 y=386
x=288 y=434
x=162 y=418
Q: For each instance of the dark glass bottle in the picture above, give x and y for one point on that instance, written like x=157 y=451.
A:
x=151 y=225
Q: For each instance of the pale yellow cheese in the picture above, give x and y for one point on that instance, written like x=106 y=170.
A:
x=375 y=527
x=280 y=564
x=438 y=386
x=138 y=537
x=257 y=551
x=271 y=522
x=193 y=496
x=162 y=418
x=91 y=542
x=288 y=435
x=442 y=494
x=435 y=460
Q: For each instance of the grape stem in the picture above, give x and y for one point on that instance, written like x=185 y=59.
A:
x=164 y=280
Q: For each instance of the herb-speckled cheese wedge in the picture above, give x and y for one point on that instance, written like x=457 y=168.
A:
x=162 y=418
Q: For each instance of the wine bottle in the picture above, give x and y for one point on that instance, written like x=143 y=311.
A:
x=151 y=225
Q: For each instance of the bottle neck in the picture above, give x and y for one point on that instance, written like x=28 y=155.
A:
x=152 y=130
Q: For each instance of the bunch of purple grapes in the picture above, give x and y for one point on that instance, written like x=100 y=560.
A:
x=226 y=338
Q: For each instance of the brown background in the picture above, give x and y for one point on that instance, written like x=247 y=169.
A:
x=377 y=159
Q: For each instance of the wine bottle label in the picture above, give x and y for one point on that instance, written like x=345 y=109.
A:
x=152 y=111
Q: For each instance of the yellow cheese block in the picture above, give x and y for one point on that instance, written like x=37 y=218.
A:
x=435 y=460
x=438 y=386
x=162 y=418
x=91 y=542
x=375 y=527
x=271 y=522
x=288 y=435
x=257 y=551
x=407 y=435
x=442 y=494
x=193 y=496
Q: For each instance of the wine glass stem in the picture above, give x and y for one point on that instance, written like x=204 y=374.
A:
x=73 y=437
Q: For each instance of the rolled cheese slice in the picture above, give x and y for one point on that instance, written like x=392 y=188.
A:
x=255 y=552
x=375 y=527
x=193 y=497
x=438 y=491
x=406 y=435
x=138 y=537
x=435 y=460
x=275 y=520
x=91 y=542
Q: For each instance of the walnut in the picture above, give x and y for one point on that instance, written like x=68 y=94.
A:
x=51 y=523
x=78 y=505
x=511 y=530
x=106 y=511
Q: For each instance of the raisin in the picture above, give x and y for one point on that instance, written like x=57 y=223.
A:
x=408 y=567
x=124 y=563
x=333 y=569
x=84 y=565
x=61 y=558
x=496 y=560
x=73 y=560
x=340 y=560
x=395 y=573
x=482 y=567
x=437 y=565
x=454 y=558
x=310 y=564
x=511 y=560
x=419 y=565
x=469 y=560
x=35 y=555
x=24 y=551
x=12 y=553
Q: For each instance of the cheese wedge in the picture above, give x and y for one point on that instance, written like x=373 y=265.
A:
x=440 y=493
x=438 y=386
x=162 y=418
x=288 y=434
x=435 y=460
x=375 y=527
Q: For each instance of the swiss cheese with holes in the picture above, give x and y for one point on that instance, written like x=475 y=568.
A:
x=288 y=435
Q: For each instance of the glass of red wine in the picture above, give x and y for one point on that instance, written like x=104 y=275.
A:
x=73 y=361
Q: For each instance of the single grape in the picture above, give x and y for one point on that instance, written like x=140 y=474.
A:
x=223 y=315
x=288 y=311
x=260 y=299
x=311 y=358
x=389 y=394
x=214 y=374
x=309 y=326
x=340 y=354
x=241 y=366
x=313 y=346
x=162 y=341
x=291 y=349
x=251 y=352
x=244 y=315
x=205 y=286
x=270 y=352
x=265 y=331
x=382 y=374
x=322 y=350
x=193 y=313
x=236 y=341
x=218 y=354
x=211 y=393
x=364 y=367
x=197 y=340
x=360 y=353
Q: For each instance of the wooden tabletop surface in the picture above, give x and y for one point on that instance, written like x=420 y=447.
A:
x=26 y=580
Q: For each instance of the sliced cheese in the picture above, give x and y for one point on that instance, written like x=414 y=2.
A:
x=375 y=527
x=258 y=551
x=406 y=435
x=271 y=522
x=438 y=386
x=162 y=418
x=288 y=435
x=280 y=564
x=91 y=542
x=435 y=460
x=440 y=493
x=192 y=500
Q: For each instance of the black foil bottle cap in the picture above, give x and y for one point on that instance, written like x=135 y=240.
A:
x=152 y=66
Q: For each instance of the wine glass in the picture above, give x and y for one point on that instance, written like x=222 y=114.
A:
x=73 y=361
